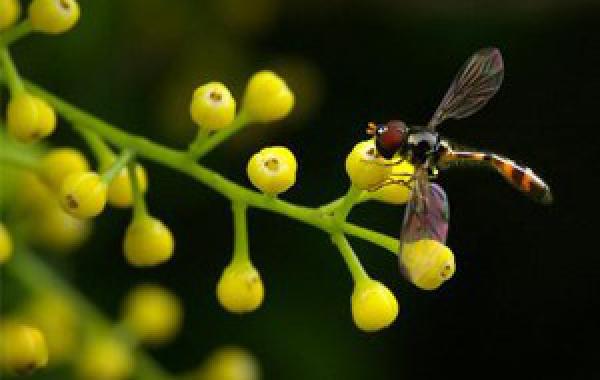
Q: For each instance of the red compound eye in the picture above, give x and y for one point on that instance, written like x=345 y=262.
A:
x=390 y=138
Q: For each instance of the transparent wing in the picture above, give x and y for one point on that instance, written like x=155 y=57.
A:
x=474 y=85
x=426 y=216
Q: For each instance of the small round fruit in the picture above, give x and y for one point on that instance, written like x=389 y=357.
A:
x=148 y=242
x=9 y=13
x=267 y=97
x=397 y=194
x=29 y=118
x=53 y=16
x=272 y=170
x=6 y=245
x=22 y=348
x=83 y=195
x=120 y=193
x=364 y=168
x=58 y=163
x=240 y=288
x=428 y=263
x=374 y=306
x=153 y=313
x=212 y=106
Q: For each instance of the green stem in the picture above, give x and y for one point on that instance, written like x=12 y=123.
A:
x=356 y=269
x=16 y=32
x=196 y=145
x=103 y=154
x=39 y=277
x=382 y=240
x=212 y=142
x=240 y=242
x=21 y=158
x=139 y=204
x=180 y=161
x=12 y=75
x=117 y=166
x=342 y=210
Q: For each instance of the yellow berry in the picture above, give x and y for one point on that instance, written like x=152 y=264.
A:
x=148 y=242
x=230 y=363
x=428 y=263
x=153 y=313
x=105 y=359
x=83 y=195
x=58 y=320
x=267 y=97
x=33 y=194
x=53 y=228
x=272 y=170
x=120 y=193
x=22 y=348
x=6 y=245
x=364 y=168
x=240 y=288
x=53 y=16
x=397 y=194
x=374 y=307
x=9 y=13
x=59 y=163
x=212 y=106
x=29 y=118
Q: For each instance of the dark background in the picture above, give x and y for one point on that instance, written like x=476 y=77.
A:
x=524 y=296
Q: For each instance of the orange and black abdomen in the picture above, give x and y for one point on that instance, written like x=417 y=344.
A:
x=523 y=178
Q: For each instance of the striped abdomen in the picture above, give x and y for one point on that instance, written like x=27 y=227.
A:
x=523 y=178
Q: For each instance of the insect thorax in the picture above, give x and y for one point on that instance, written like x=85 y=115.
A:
x=422 y=145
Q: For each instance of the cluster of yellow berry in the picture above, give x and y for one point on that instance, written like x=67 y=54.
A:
x=59 y=195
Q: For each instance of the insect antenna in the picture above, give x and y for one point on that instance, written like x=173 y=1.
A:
x=371 y=127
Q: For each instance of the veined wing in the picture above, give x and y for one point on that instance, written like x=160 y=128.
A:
x=474 y=85
x=425 y=220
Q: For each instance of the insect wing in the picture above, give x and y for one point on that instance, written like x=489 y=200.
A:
x=425 y=218
x=426 y=215
x=474 y=85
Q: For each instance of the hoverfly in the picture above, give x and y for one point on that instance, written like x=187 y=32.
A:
x=427 y=212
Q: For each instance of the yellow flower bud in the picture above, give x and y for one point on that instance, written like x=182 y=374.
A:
x=6 y=245
x=22 y=348
x=29 y=118
x=153 y=313
x=428 y=263
x=83 y=195
x=33 y=195
x=364 y=168
x=212 y=106
x=240 y=288
x=53 y=228
x=230 y=363
x=272 y=170
x=53 y=16
x=59 y=163
x=148 y=242
x=374 y=306
x=105 y=359
x=267 y=97
x=397 y=194
x=9 y=13
x=58 y=321
x=120 y=193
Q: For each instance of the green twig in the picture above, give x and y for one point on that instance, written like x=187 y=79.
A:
x=12 y=75
x=240 y=227
x=213 y=141
x=354 y=265
x=103 y=154
x=179 y=160
x=139 y=204
x=117 y=166
x=15 y=33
